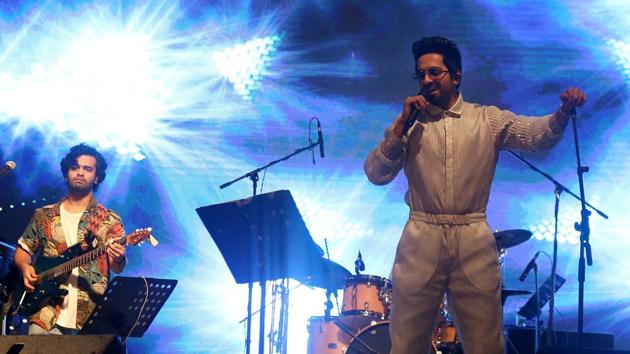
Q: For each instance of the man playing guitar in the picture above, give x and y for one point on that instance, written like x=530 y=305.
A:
x=77 y=220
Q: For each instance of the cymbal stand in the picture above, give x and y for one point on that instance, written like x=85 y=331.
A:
x=334 y=291
x=278 y=338
x=328 y=304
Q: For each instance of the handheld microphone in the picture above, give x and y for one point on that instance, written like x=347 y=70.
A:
x=320 y=139
x=529 y=267
x=412 y=115
x=8 y=167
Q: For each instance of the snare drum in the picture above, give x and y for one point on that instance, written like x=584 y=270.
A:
x=367 y=295
x=445 y=336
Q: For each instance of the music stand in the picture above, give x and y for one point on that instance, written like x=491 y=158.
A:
x=263 y=238
x=126 y=309
x=530 y=310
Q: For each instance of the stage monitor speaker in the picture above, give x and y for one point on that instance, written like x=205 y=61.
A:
x=568 y=350
x=80 y=344
x=521 y=340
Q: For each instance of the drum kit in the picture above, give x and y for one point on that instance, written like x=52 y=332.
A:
x=363 y=322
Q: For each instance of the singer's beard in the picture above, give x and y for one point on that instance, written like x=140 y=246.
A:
x=441 y=100
x=427 y=93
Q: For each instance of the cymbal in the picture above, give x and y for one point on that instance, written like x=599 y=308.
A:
x=329 y=276
x=511 y=238
x=512 y=292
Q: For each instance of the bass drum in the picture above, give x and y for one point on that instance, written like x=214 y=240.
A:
x=375 y=339
x=372 y=339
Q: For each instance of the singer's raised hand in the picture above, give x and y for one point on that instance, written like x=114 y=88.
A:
x=571 y=98
x=411 y=106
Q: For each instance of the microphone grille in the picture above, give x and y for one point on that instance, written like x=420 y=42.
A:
x=10 y=164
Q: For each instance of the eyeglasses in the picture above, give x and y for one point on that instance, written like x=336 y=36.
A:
x=435 y=73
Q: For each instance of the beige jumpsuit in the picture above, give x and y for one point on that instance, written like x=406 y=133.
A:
x=449 y=159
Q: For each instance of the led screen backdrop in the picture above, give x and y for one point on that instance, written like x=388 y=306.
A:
x=184 y=96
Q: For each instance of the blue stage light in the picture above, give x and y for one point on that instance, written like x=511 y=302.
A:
x=621 y=50
x=244 y=64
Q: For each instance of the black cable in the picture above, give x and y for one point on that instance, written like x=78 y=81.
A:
x=146 y=299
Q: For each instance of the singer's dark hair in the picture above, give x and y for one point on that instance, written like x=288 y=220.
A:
x=440 y=45
x=84 y=149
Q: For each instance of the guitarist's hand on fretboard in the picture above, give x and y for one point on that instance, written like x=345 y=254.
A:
x=29 y=276
x=116 y=253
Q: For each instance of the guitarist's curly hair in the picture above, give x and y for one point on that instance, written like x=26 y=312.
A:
x=84 y=149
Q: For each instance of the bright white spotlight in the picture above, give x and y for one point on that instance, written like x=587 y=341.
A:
x=621 y=50
x=244 y=64
x=99 y=76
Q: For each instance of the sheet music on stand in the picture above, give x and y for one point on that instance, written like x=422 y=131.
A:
x=127 y=310
x=529 y=309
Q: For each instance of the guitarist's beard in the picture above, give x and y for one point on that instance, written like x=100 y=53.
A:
x=79 y=190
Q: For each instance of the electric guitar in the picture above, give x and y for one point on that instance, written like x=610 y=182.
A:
x=53 y=271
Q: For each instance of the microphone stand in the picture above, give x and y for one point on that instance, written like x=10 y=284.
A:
x=585 y=230
x=253 y=176
x=537 y=327
x=552 y=299
x=559 y=187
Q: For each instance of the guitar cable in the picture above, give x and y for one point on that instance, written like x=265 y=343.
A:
x=146 y=299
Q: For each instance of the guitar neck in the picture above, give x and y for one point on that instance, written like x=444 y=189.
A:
x=78 y=261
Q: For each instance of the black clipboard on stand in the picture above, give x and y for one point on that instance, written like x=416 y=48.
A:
x=263 y=238
x=129 y=306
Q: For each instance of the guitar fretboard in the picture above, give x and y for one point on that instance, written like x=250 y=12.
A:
x=78 y=261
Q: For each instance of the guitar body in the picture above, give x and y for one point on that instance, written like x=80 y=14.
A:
x=47 y=287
